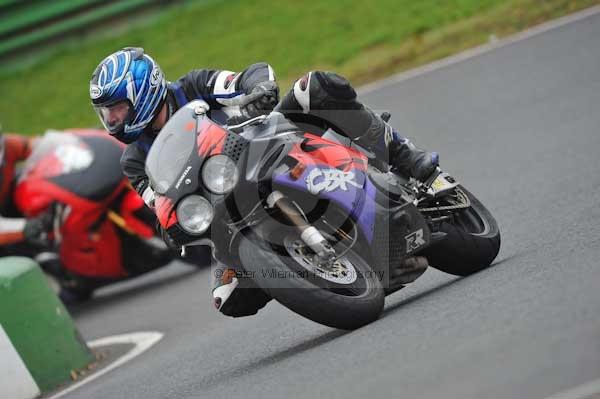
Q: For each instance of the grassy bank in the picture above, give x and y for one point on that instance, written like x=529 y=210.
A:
x=360 y=39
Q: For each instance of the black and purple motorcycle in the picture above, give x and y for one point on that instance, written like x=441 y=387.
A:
x=313 y=222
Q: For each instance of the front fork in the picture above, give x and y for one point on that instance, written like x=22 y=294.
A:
x=308 y=233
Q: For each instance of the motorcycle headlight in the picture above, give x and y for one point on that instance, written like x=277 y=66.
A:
x=195 y=214
x=220 y=174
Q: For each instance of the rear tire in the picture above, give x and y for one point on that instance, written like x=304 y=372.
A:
x=303 y=296
x=470 y=245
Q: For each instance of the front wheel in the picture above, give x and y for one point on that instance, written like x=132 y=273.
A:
x=346 y=297
x=472 y=240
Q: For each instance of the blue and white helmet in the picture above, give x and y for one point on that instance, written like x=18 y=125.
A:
x=128 y=90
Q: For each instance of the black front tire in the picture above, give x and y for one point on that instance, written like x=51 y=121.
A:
x=302 y=296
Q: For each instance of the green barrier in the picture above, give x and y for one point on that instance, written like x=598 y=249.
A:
x=38 y=325
x=34 y=14
x=71 y=24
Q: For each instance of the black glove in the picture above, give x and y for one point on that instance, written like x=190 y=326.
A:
x=171 y=244
x=37 y=229
x=266 y=102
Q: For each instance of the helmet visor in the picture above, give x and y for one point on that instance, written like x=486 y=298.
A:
x=115 y=116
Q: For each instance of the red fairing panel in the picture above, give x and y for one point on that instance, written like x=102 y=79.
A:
x=165 y=212
x=131 y=203
x=85 y=251
x=92 y=254
x=211 y=139
x=33 y=196
x=317 y=150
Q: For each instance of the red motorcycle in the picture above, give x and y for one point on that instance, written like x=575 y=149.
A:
x=97 y=228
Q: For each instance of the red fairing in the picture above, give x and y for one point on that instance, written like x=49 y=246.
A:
x=88 y=252
x=35 y=192
x=211 y=139
x=317 y=150
x=90 y=245
x=131 y=203
x=165 y=212
x=34 y=195
x=92 y=254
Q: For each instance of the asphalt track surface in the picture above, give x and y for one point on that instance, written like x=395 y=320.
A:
x=520 y=128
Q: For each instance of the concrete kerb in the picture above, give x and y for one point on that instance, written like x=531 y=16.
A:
x=39 y=343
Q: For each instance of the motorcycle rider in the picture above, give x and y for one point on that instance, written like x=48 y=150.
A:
x=18 y=235
x=134 y=101
x=13 y=150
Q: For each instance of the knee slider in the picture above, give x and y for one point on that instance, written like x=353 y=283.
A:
x=336 y=86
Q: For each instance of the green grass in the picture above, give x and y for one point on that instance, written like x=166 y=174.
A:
x=363 y=40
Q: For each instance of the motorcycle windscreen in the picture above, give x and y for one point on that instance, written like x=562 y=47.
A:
x=171 y=150
x=55 y=154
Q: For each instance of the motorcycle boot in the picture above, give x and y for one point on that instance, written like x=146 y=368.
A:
x=399 y=152
x=235 y=294
x=328 y=97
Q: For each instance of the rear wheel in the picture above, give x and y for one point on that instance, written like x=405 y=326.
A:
x=346 y=296
x=472 y=240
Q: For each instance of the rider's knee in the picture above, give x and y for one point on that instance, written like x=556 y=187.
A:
x=320 y=90
x=331 y=85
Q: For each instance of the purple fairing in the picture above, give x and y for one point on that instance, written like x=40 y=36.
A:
x=352 y=191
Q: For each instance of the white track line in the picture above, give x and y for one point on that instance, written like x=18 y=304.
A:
x=479 y=50
x=580 y=392
x=142 y=340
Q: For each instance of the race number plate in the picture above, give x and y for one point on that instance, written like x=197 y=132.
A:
x=443 y=183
